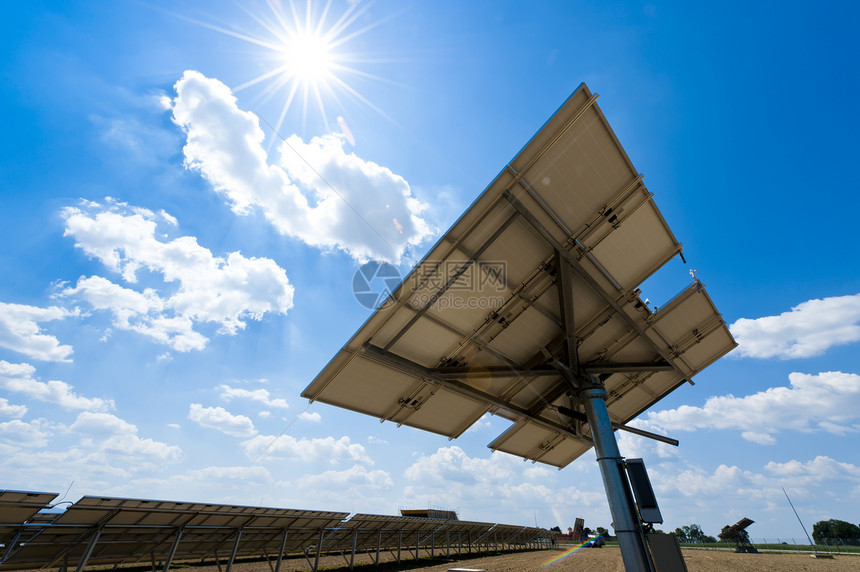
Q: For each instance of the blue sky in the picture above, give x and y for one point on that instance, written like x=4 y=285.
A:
x=174 y=276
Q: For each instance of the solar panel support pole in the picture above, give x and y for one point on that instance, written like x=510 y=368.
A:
x=173 y=548
x=232 y=552
x=378 y=545
x=631 y=538
x=319 y=550
x=89 y=551
x=281 y=551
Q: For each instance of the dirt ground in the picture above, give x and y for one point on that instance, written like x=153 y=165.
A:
x=606 y=559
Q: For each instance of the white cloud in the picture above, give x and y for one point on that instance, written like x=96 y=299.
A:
x=261 y=395
x=19 y=378
x=821 y=468
x=20 y=331
x=484 y=422
x=198 y=286
x=809 y=329
x=829 y=402
x=318 y=449
x=356 y=477
x=222 y=420
x=492 y=485
x=316 y=191
x=311 y=416
x=129 y=445
x=453 y=465
x=101 y=424
x=10 y=410
x=20 y=434
x=355 y=489
x=95 y=464
x=113 y=438
x=239 y=474
x=695 y=483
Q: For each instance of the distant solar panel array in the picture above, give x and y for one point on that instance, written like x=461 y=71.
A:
x=99 y=531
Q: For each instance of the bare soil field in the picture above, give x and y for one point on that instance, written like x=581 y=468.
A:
x=587 y=560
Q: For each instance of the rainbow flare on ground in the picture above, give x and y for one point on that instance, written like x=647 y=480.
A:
x=568 y=552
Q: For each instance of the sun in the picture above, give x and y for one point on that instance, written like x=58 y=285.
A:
x=308 y=58
x=306 y=49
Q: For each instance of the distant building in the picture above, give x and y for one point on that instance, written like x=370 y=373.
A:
x=429 y=513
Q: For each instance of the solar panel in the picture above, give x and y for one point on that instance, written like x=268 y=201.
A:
x=17 y=507
x=535 y=284
x=104 y=530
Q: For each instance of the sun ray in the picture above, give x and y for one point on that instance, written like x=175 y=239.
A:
x=321 y=105
x=277 y=126
x=321 y=22
x=262 y=77
x=349 y=90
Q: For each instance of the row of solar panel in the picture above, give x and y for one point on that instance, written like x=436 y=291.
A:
x=101 y=531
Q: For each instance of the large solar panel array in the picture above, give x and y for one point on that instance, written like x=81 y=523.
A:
x=541 y=273
x=99 y=531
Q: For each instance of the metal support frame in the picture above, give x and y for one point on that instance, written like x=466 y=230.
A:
x=89 y=551
x=393 y=360
x=589 y=390
x=233 y=552
x=628 y=528
x=169 y=558
x=281 y=550
x=378 y=545
x=588 y=279
x=319 y=550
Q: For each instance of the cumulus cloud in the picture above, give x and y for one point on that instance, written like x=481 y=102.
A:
x=10 y=410
x=101 y=424
x=19 y=377
x=260 y=395
x=20 y=331
x=222 y=420
x=96 y=460
x=828 y=402
x=316 y=191
x=821 y=468
x=198 y=286
x=326 y=449
x=311 y=416
x=453 y=465
x=492 y=484
x=112 y=439
x=19 y=434
x=356 y=477
x=809 y=329
x=129 y=445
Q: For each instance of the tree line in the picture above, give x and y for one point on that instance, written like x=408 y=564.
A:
x=822 y=531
